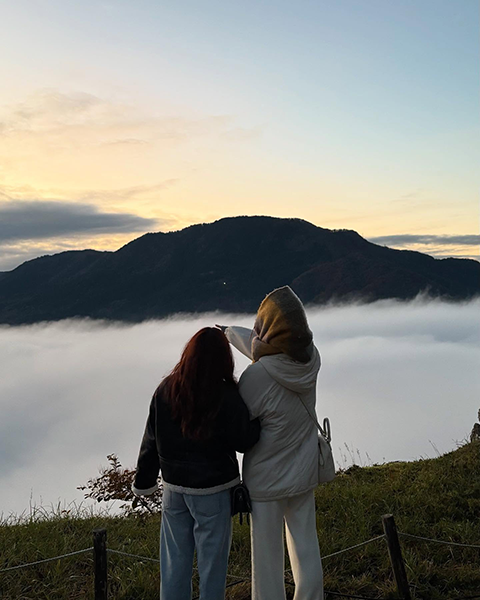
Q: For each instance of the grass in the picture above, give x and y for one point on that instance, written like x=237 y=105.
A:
x=435 y=498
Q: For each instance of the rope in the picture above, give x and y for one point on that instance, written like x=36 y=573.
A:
x=45 y=560
x=350 y=595
x=241 y=578
x=418 y=537
x=353 y=596
x=229 y=584
x=289 y=571
x=379 y=537
x=342 y=595
x=155 y=560
x=235 y=582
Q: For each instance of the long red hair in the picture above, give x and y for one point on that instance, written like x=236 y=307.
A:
x=193 y=390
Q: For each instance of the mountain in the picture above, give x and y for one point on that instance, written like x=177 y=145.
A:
x=227 y=265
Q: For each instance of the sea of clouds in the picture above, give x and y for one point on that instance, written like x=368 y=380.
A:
x=399 y=381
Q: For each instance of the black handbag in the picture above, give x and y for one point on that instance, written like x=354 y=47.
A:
x=241 y=503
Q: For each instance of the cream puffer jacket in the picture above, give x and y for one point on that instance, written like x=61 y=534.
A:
x=283 y=463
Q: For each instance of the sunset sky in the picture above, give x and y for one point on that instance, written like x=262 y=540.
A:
x=118 y=118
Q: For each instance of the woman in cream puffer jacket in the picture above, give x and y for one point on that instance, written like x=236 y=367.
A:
x=280 y=471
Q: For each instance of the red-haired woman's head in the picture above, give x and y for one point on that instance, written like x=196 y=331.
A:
x=194 y=387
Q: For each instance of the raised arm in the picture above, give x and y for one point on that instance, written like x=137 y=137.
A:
x=241 y=338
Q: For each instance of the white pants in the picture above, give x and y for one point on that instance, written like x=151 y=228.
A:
x=268 y=554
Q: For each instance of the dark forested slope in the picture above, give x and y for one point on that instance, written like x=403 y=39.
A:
x=228 y=265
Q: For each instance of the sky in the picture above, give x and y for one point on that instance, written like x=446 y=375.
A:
x=120 y=118
x=398 y=381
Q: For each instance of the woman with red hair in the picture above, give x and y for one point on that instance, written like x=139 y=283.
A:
x=197 y=422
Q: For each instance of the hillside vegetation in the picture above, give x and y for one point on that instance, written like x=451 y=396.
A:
x=436 y=498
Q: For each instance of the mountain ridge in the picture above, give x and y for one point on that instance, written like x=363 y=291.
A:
x=227 y=265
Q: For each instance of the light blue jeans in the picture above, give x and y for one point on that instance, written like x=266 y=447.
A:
x=189 y=523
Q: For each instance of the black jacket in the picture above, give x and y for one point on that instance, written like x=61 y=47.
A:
x=189 y=463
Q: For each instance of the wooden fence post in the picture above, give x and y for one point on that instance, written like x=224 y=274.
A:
x=396 y=558
x=100 y=563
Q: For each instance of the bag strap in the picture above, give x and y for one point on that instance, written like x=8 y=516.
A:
x=325 y=430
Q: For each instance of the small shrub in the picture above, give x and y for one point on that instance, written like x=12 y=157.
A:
x=475 y=435
x=115 y=483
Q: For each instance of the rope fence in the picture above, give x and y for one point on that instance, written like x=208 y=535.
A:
x=446 y=543
x=390 y=535
x=155 y=560
x=46 y=560
x=356 y=597
x=379 y=537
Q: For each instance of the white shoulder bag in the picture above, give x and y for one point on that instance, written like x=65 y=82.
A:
x=326 y=466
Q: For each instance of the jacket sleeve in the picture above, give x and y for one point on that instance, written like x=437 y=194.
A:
x=241 y=338
x=240 y=432
x=148 y=464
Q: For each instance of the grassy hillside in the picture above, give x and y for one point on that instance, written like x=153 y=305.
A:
x=436 y=498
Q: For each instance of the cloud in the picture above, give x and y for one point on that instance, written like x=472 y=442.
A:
x=396 y=380
x=84 y=221
x=77 y=140
x=236 y=134
x=411 y=197
x=47 y=108
x=36 y=219
x=443 y=240
x=78 y=223
x=129 y=193
x=110 y=195
x=78 y=118
x=126 y=142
